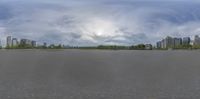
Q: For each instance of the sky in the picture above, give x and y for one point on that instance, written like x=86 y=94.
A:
x=98 y=22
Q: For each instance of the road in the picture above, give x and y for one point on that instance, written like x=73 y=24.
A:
x=99 y=74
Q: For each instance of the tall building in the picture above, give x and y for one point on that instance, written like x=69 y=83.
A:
x=169 y=42
x=14 y=42
x=159 y=44
x=9 y=41
x=186 y=41
x=26 y=42
x=163 y=43
x=196 y=40
x=23 y=42
x=177 y=42
x=33 y=43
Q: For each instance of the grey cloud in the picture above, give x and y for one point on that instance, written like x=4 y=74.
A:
x=108 y=22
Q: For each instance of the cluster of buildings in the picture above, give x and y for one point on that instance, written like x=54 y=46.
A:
x=170 y=42
x=166 y=43
x=14 y=42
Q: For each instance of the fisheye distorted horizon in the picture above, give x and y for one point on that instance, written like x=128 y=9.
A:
x=95 y=22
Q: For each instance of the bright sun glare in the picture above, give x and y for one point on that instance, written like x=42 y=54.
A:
x=101 y=28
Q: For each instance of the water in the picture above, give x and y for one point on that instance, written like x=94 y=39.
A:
x=99 y=74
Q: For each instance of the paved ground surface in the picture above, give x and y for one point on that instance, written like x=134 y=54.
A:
x=98 y=74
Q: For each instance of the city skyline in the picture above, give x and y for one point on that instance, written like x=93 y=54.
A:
x=165 y=43
x=18 y=39
x=96 y=22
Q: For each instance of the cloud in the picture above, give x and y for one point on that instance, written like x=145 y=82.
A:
x=98 y=22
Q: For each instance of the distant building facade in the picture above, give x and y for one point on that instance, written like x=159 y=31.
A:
x=27 y=43
x=177 y=42
x=163 y=43
x=159 y=44
x=33 y=43
x=197 y=40
x=169 y=42
x=14 y=42
x=186 y=41
x=9 y=41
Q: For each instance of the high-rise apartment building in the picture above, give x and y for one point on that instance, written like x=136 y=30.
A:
x=197 y=40
x=186 y=41
x=14 y=42
x=159 y=44
x=26 y=42
x=33 y=43
x=169 y=42
x=9 y=41
x=177 y=42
